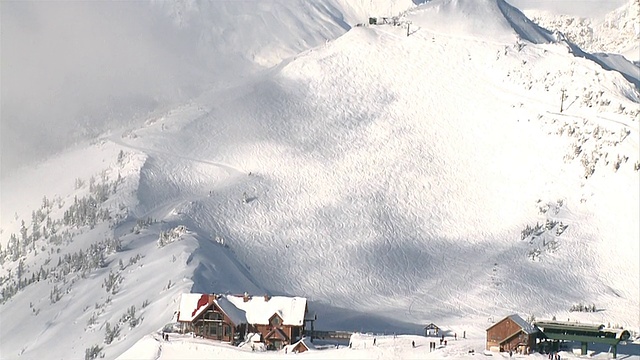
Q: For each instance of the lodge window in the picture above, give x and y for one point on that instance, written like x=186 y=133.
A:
x=215 y=330
x=275 y=321
x=213 y=316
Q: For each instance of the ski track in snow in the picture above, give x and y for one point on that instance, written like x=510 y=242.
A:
x=231 y=171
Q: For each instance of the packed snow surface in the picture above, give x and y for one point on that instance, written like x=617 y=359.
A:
x=362 y=347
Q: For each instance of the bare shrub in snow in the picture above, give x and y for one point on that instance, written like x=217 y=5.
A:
x=92 y=352
x=111 y=333
x=134 y=259
x=92 y=320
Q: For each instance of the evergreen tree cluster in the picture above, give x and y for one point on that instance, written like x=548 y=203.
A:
x=543 y=237
x=528 y=231
x=580 y=307
x=55 y=295
x=81 y=262
x=112 y=282
x=171 y=235
x=42 y=226
x=129 y=317
x=85 y=212
x=142 y=224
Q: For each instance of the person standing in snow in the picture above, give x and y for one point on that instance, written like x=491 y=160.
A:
x=413 y=344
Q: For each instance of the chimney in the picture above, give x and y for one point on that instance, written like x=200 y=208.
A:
x=246 y=297
x=266 y=297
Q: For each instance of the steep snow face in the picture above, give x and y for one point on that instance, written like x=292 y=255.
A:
x=616 y=32
x=436 y=177
x=414 y=167
x=469 y=18
x=576 y=8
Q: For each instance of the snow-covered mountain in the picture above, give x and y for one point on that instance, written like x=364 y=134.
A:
x=618 y=32
x=74 y=70
x=457 y=168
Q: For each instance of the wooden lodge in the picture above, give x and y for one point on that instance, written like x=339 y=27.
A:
x=512 y=333
x=279 y=320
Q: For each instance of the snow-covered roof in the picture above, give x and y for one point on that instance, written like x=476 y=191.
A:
x=238 y=316
x=191 y=305
x=258 y=310
x=621 y=334
x=526 y=327
x=306 y=342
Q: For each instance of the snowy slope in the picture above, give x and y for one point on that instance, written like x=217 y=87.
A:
x=616 y=32
x=378 y=173
x=74 y=70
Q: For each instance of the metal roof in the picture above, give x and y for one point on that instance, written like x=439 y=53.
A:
x=565 y=325
x=526 y=327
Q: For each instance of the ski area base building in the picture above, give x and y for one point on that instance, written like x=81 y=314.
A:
x=279 y=320
x=512 y=333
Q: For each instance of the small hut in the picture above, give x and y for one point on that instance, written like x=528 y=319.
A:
x=431 y=330
x=303 y=345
